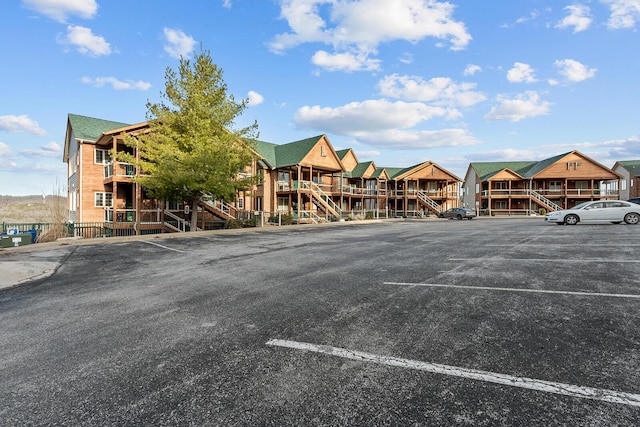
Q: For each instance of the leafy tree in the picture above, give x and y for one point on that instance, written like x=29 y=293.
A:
x=191 y=150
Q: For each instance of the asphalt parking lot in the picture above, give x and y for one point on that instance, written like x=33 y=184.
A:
x=425 y=322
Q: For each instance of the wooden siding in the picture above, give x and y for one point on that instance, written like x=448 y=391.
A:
x=567 y=168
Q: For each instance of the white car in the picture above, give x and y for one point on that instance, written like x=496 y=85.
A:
x=614 y=211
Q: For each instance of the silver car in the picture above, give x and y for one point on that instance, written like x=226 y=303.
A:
x=614 y=211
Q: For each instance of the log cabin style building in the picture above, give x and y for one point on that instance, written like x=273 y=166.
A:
x=559 y=182
x=306 y=180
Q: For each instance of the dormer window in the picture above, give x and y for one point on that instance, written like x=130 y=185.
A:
x=323 y=153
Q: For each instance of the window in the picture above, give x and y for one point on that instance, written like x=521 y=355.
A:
x=323 y=153
x=501 y=205
x=582 y=185
x=555 y=185
x=241 y=203
x=283 y=176
x=103 y=200
x=102 y=156
x=283 y=204
x=501 y=185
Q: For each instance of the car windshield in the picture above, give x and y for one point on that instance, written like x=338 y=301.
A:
x=581 y=205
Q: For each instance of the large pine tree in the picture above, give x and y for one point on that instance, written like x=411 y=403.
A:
x=192 y=150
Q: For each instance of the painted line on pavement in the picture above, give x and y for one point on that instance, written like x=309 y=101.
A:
x=162 y=246
x=495 y=288
x=583 y=260
x=474 y=374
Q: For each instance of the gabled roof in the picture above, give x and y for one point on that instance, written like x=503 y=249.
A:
x=342 y=153
x=294 y=152
x=633 y=166
x=360 y=169
x=268 y=152
x=486 y=170
x=393 y=172
x=90 y=129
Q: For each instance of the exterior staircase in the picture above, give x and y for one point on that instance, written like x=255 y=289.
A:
x=543 y=201
x=321 y=199
x=428 y=202
x=220 y=209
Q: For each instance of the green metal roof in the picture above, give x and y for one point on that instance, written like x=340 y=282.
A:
x=267 y=150
x=292 y=153
x=486 y=170
x=543 y=164
x=342 y=153
x=360 y=169
x=287 y=154
x=90 y=129
x=633 y=166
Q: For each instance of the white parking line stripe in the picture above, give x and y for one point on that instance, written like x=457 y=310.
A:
x=162 y=246
x=491 y=288
x=556 y=261
x=474 y=374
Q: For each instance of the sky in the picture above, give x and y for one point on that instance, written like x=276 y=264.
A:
x=400 y=82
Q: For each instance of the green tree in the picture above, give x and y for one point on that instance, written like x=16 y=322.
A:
x=191 y=150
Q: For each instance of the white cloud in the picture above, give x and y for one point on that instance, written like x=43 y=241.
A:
x=5 y=150
x=521 y=73
x=20 y=124
x=345 y=61
x=384 y=124
x=579 y=18
x=51 y=149
x=573 y=70
x=116 y=84
x=255 y=98
x=524 y=106
x=624 y=13
x=367 y=154
x=60 y=10
x=439 y=90
x=85 y=41
x=226 y=4
x=370 y=115
x=362 y=25
x=178 y=43
x=472 y=69
x=406 y=58
x=401 y=139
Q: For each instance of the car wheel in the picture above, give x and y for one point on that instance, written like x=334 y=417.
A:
x=632 y=218
x=440 y=215
x=571 y=219
x=470 y=218
x=459 y=217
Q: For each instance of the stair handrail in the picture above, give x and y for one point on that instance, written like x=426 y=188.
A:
x=551 y=205
x=422 y=195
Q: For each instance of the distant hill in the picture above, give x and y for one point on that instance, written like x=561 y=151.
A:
x=32 y=209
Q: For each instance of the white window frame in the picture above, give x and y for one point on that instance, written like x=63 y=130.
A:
x=103 y=199
x=101 y=157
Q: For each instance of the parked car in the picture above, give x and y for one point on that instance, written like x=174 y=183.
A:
x=458 y=213
x=635 y=200
x=614 y=211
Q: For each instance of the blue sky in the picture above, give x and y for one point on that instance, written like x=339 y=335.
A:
x=399 y=81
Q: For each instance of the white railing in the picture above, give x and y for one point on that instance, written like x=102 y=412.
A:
x=119 y=169
x=223 y=207
x=321 y=196
x=182 y=226
x=429 y=202
x=551 y=205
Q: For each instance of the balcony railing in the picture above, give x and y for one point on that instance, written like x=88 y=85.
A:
x=119 y=169
x=576 y=192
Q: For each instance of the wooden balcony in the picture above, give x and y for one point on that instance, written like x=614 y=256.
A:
x=119 y=172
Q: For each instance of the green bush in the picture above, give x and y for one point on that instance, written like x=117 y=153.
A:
x=368 y=215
